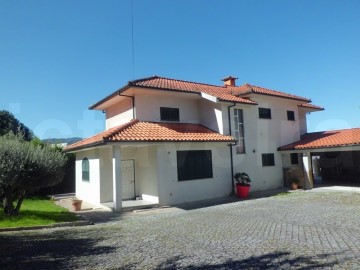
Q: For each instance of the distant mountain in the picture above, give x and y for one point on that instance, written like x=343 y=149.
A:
x=68 y=141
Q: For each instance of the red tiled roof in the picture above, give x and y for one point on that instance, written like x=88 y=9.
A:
x=311 y=106
x=221 y=92
x=326 y=139
x=248 y=89
x=136 y=131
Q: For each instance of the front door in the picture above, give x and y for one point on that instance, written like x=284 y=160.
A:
x=128 y=179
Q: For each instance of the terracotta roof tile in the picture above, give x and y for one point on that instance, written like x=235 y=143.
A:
x=326 y=139
x=136 y=131
x=221 y=92
x=248 y=89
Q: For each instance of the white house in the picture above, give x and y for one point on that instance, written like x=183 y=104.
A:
x=170 y=141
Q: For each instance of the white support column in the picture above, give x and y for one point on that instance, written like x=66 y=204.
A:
x=308 y=181
x=117 y=190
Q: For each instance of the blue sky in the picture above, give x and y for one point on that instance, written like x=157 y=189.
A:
x=59 y=57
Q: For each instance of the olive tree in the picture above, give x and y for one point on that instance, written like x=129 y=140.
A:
x=24 y=168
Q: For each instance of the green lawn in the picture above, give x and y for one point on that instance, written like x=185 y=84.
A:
x=37 y=211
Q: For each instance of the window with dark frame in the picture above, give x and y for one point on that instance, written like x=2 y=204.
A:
x=169 y=114
x=239 y=131
x=85 y=170
x=291 y=115
x=294 y=158
x=265 y=113
x=194 y=164
x=268 y=159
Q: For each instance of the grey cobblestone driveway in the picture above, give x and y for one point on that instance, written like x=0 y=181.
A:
x=305 y=230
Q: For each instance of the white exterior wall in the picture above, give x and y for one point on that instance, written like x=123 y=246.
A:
x=148 y=103
x=119 y=113
x=88 y=191
x=106 y=169
x=146 y=183
x=302 y=119
x=211 y=115
x=265 y=136
x=172 y=191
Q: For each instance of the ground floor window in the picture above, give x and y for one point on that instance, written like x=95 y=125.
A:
x=85 y=170
x=268 y=159
x=194 y=164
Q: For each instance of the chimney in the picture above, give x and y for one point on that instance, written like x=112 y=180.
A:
x=229 y=81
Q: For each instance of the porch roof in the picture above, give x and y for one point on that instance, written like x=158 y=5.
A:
x=326 y=139
x=137 y=131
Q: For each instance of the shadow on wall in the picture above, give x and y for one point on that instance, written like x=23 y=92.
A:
x=230 y=199
x=276 y=260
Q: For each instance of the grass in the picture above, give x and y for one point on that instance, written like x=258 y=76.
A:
x=284 y=194
x=37 y=211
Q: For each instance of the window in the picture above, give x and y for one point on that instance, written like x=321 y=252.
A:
x=294 y=158
x=265 y=113
x=291 y=115
x=268 y=160
x=85 y=170
x=239 y=131
x=196 y=164
x=169 y=114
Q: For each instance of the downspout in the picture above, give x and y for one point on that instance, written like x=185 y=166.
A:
x=231 y=150
x=133 y=103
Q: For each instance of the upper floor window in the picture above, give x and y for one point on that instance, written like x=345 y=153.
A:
x=169 y=114
x=239 y=131
x=194 y=164
x=268 y=159
x=291 y=115
x=265 y=113
x=85 y=170
x=294 y=158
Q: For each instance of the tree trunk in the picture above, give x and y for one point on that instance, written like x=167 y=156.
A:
x=9 y=200
x=8 y=206
x=19 y=202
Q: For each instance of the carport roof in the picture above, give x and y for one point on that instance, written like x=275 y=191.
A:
x=138 y=131
x=326 y=139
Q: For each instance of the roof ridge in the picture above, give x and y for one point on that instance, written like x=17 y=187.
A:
x=143 y=79
x=336 y=130
x=277 y=91
x=172 y=79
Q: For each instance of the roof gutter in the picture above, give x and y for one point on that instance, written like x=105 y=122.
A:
x=116 y=93
x=133 y=103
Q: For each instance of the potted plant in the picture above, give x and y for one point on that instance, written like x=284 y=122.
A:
x=242 y=184
x=294 y=183
x=76 y=203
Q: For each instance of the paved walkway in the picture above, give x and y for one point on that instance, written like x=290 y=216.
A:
x=300 y=230
x=97 y=214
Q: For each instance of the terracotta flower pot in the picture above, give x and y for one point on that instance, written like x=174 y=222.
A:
x=76 y=204
x=294 y=186
x=242 y=191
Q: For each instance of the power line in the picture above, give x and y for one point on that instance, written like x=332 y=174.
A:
x=132 y=39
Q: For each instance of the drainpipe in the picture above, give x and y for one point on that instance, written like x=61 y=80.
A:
x=231 y=150
x=133 y=103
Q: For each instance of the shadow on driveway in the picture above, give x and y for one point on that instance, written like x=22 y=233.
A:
x=57 y=250
x=275 y=260
x=231 y=199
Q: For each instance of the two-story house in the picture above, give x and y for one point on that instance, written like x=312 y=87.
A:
x=170 y=141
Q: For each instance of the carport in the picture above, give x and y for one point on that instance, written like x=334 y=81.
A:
x=328 y=157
